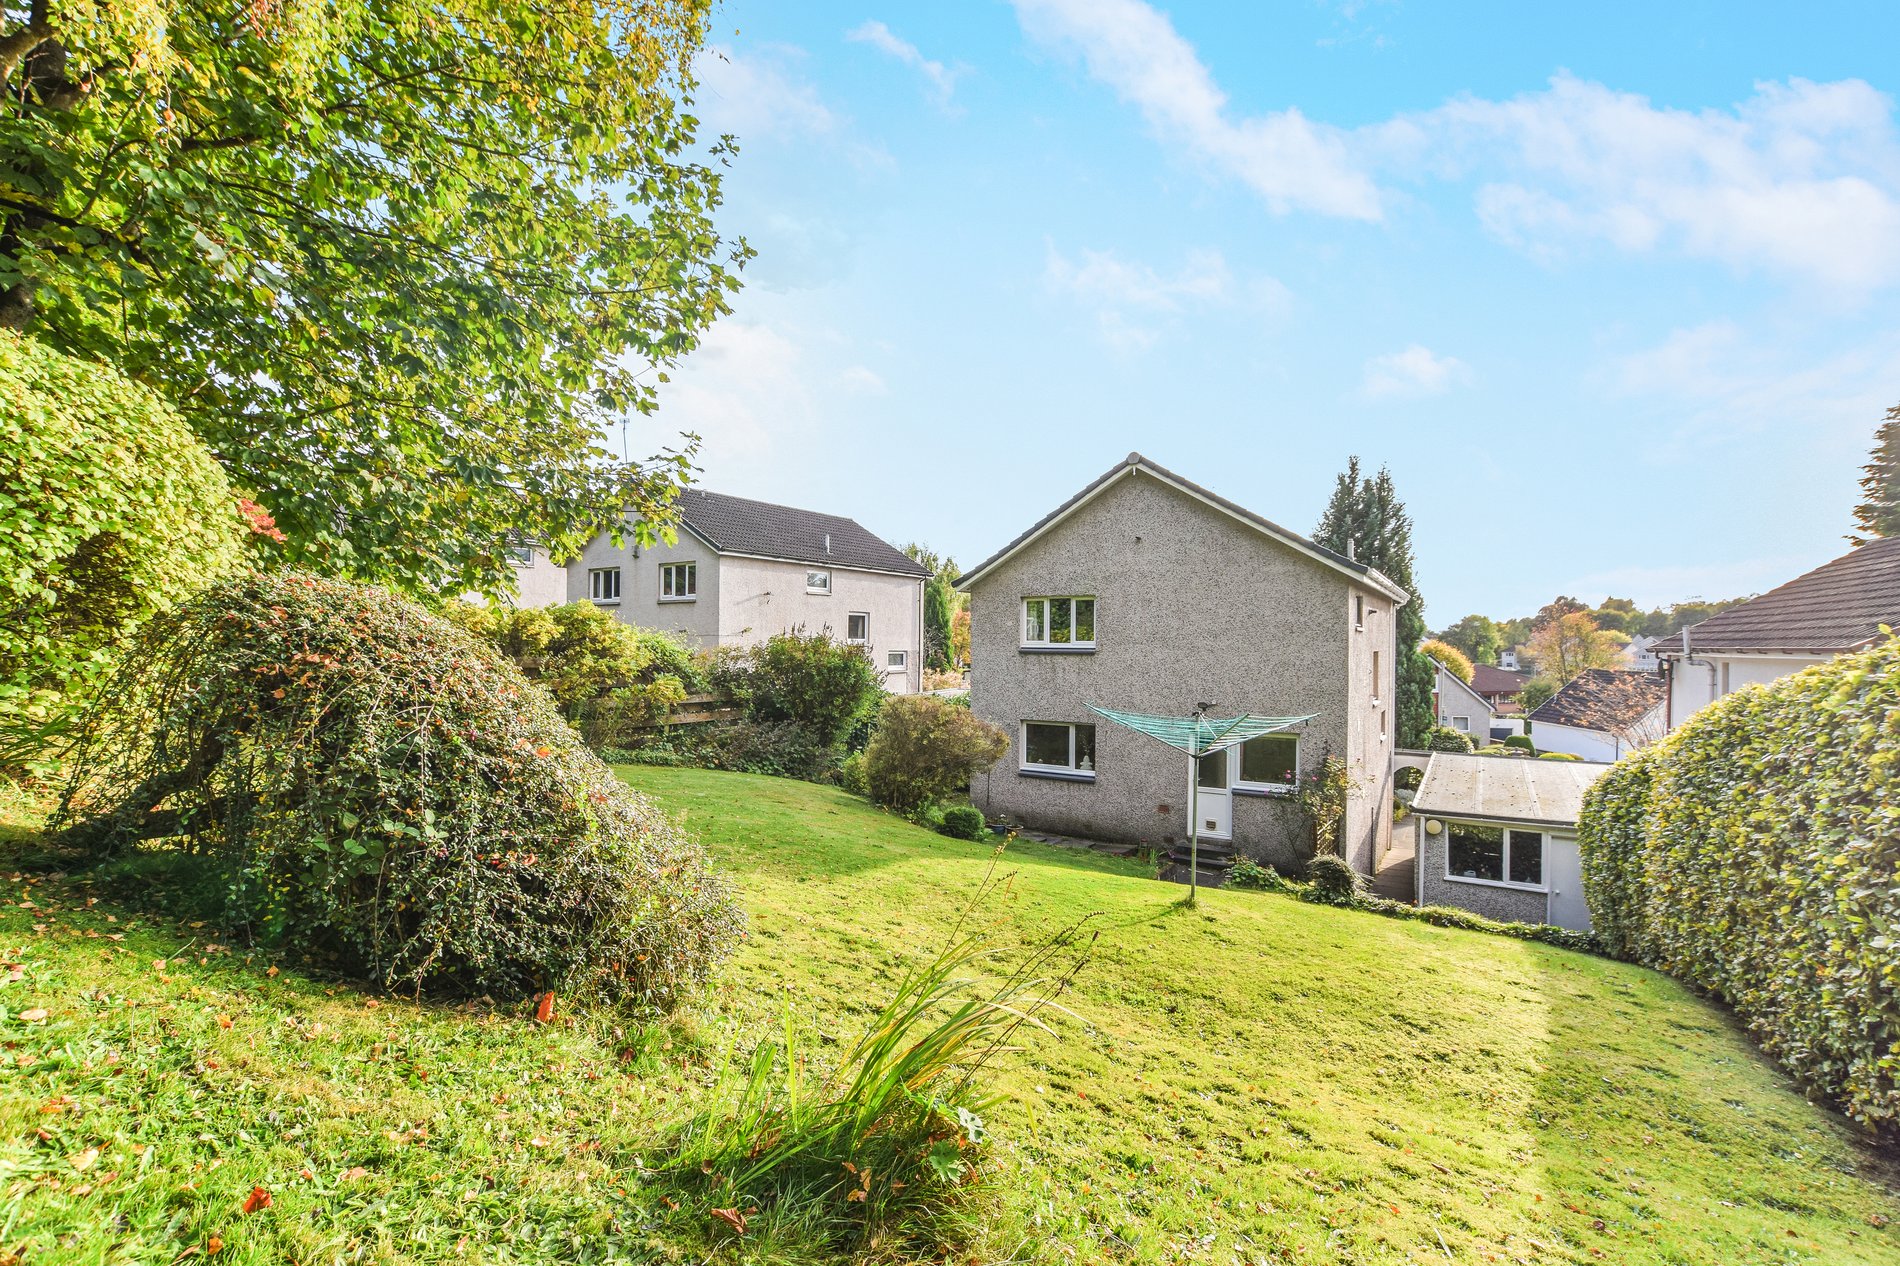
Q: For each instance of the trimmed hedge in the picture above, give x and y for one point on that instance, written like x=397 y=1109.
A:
x=1755 y=854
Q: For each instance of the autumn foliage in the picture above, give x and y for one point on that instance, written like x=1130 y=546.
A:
x=374 y=788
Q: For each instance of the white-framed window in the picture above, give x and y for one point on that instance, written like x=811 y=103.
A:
x=1382 y=729
x=1494 y=855
x=603 y=584
x=1359 y=611
x=1270 y=762
x=679 y=582
x=1067 y=622
x=1058 y=747
x=1376 y=679
x=857 y=627
x=818 y=581
x=1462 y=724
x=521 y=554
x=897 y=660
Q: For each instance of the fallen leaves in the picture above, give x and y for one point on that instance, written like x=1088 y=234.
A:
x=258 y=1199
x=732 y=1218
x=34 y=1015
x=544 y=1009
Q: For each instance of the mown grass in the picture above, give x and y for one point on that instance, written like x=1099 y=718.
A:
x=1258 y=1080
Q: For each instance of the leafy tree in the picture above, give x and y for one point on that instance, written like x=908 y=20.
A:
x=1556 y=608
x=397 y=264
x=942 y=602
x=110 y=512
x=822 y=685
x=960 y=636
x=1450 y=656
x=1366 y=519
x=1476 y=636
x=1878 y=514
x=925 y=749
x=1566 y=646
x=1536 y=692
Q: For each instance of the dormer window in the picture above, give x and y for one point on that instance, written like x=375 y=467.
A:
x=1066 y=623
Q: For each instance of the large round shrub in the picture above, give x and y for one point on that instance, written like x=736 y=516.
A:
x=1755 y=854
x=925 y=749
x=382 y=792
x=110 y=510
x=1442 y=738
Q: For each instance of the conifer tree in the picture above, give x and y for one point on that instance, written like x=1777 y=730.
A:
x=1879 y=514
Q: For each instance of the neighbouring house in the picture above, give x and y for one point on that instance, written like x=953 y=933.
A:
x=1499 y=837
x=539 y=580
x=1602 y=715
x=1460 y=707
x=744 y=570
x=1836 y=608
x=1639 y=654
x=1499 y=686
x=1145 y=592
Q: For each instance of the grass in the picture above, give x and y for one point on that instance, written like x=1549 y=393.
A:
x=1256 y=1080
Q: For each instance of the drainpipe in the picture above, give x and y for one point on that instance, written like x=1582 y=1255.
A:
x=1688 y=658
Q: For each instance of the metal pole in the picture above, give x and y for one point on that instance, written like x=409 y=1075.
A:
x=1194 y=828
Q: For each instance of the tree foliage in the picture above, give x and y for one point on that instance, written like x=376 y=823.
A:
x=939 y=612
x=377 y=790
x=1752 y=853
x=1366 y=519
x=1566 y=645
x=1477 y=637
x=1878 y=513
x=398 y=265
x=110 y=511
x=812 y=680
x=1450 y=656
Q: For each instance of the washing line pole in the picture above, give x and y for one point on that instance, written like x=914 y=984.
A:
x=1194 y=826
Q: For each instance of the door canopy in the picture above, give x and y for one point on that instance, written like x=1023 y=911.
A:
x=1199 y=735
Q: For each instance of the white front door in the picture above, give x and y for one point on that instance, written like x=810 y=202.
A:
x=1216 y=798
x=1563 y=872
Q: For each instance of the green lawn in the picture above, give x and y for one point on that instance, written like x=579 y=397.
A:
x=1258 y=1080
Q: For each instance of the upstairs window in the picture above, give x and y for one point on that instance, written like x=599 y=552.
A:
x=603 y=584
x=679 y=582
x=857 y=627
x=818 y=582
x=1055 y=747
x=1358 y=611
x=1059 y=622
x=1269 y=763
x=520 y=553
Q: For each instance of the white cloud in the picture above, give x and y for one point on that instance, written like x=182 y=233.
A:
x=1134 y=303
x=862 y=380
x=761 y=96
x=740 y=391
x=943 y=79
x=1801 y=179
x=1416 y=371
x=1290 y=161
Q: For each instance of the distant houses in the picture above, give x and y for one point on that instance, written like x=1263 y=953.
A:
x=743 y=570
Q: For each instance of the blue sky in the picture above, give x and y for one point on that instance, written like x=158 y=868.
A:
x=1612 y=293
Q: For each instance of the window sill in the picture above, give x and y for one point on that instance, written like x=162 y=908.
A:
x=606 y=602
x=1494 y=883
x=818 y=593
x=666 y=601
x=1057 y=775
x=1268 y=793
x=1057 y=650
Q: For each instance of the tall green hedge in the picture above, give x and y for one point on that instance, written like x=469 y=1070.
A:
x=110 y=510
x=1755 y=854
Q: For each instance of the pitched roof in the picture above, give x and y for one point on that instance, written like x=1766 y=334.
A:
x=1505 y=788
x=1489 y=679
x=735 y=525
x=1605 y=699
x=1135 y=463
x=1836 y=607
x=1447 y=677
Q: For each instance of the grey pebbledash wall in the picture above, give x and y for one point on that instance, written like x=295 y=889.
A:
x=1191 y=605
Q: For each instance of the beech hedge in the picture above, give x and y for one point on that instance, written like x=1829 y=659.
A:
x=1755 y=855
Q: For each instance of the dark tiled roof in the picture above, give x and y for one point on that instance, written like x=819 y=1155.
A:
x=1135 y=461
x=734 y=525
x=1489 y=679
x=1603 y=699
x=1833 y=608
